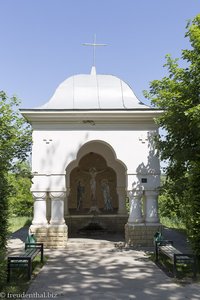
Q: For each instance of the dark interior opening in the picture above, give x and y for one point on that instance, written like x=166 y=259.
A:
x=92 y=228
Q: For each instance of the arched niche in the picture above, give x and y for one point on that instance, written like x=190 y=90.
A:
x=93 y=186
x=116 y=170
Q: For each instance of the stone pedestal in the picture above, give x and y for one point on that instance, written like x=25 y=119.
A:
x=52 y=236
x=141 y=227
x=55 y=234
x=140 y=235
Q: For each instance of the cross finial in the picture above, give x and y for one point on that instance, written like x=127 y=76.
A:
x=94 y=45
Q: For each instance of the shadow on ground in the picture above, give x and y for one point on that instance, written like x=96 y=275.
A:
x=107 y=274
x=20 y=234
x=98 y=269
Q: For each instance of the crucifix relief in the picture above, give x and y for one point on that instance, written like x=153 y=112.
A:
x=93 y=187
x=94 y=45
x=93 y=172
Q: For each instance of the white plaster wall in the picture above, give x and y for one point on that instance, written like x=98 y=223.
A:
x=54 y=150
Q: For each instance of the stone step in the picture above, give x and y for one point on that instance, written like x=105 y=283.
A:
x=81 y=244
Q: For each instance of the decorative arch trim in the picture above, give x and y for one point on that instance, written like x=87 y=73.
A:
x=105 y=150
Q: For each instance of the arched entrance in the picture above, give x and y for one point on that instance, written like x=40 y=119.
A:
x=96 y=185
x=93 y=186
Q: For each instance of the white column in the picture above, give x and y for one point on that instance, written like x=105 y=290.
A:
x=66 y=203
x=39 y=217
x=151 y=206
x=135 y=215
x=57 y=208
x=122 y=200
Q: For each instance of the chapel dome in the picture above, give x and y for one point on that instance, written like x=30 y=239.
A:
x=93 y=91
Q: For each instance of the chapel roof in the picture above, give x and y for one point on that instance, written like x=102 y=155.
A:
x=93 y=91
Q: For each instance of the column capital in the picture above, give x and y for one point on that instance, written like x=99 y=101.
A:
x=57 y=195
x=135 y=193
x=39 y=195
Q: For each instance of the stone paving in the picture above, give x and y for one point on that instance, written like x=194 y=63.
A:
x=101 y=269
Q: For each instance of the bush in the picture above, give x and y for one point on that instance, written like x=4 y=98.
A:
x=20 y=202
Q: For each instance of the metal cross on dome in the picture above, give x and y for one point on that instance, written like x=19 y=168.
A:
x=94 y=45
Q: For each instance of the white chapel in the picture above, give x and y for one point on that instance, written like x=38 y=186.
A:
x=94 y=163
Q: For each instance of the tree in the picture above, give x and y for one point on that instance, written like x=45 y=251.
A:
x=15 y=142
x=178 y=94
x=20 y=202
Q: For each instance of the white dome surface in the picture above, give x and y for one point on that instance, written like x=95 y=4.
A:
x=92 y=91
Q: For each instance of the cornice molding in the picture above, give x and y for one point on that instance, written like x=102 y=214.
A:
x=91 y=117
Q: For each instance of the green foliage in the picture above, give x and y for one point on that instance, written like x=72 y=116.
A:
x=3 y=223
x=19 y=283
x=15 y=142
x=171 y=200
x=174 y=223
x=15 y=138
x=178 y=95
x=192 y=196
x=20 y=201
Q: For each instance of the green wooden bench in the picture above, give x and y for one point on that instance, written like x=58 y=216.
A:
x=25 y=259
x=177 y=257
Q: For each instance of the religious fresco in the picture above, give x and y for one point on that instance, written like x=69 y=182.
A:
x=93 y=187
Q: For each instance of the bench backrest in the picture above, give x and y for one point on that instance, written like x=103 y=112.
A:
x=31 y=239
x=158 y=237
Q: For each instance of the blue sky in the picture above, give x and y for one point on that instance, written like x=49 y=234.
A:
x=41 y=42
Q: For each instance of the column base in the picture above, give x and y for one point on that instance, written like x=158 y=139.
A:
x=39 y=223
x=57 y=222
x=52 y=236
x=141 y=235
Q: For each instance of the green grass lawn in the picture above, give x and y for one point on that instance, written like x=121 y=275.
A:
x=15 y=223
x=165 y=263
x=19 y=282
x=173 y=223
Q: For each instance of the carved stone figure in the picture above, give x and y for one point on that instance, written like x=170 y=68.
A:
x=80 y=195
x=106 y=195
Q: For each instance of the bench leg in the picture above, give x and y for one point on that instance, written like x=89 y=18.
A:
x=42 y=253
x=194 y=267
x=174 y=266
x=156 y=251
x=8 y=271
x=29 y=269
